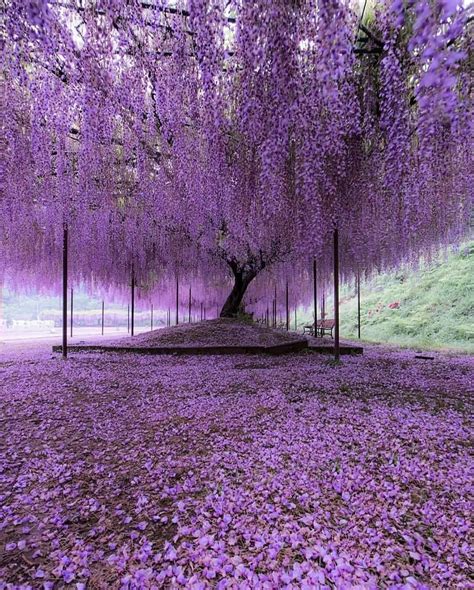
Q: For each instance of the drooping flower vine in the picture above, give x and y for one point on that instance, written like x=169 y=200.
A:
x=203 y=135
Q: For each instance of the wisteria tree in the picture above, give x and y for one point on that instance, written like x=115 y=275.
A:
x=234 y=133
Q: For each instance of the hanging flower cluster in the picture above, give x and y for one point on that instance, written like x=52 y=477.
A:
x=194 y=136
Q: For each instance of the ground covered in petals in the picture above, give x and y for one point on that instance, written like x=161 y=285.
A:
x=235 y=472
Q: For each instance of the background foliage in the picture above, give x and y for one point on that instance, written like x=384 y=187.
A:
x=436 y=305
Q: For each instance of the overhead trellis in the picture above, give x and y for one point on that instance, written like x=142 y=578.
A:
x=204 y=135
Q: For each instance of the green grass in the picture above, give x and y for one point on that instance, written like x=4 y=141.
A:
x=436 y=305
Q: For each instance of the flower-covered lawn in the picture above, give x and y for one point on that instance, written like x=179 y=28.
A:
x=123 y=471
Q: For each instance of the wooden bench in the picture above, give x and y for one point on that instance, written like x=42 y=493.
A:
x=322 y=327
x=309 y=328
x=325 y=327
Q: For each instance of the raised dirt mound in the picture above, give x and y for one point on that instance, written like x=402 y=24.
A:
x=218 y=332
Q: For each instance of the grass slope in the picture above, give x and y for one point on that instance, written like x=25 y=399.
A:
x=436 y=305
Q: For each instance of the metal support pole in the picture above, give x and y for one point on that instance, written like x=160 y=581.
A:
x=287 y=309
x=296 y=322
x=132 y=314
x=65 y=245
x=358 y=304
x=102 y=317
x=275 y=304
x=72 y=309
x=151 y=317
x=336 y=295
x=315 y=297
x=177 y=299
x=189 y=306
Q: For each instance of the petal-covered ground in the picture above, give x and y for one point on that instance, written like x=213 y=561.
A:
x=235 y=472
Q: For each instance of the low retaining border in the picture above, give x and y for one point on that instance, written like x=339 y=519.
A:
x=284 y=348
x=343 y=349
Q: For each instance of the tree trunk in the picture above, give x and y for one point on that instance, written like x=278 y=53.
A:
x=233 y=302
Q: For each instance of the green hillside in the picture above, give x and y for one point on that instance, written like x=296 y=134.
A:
x=436 y=305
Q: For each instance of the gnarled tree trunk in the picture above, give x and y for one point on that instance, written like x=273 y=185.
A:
x=233 y=302
x=244 y=274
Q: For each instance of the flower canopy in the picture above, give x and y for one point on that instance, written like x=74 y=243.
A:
x=184 y=137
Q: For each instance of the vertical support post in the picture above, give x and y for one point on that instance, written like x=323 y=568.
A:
x=275 y=303
x=336 y=295
x=315 y=296
x=296 y=322
x=177 y=299
x=168 y=317
x=267 y=317
x=151 y=317
x=358 y=304
x=102 y=317
x=132 y=314
x=287 y=309
x=72 y=310
x=202 y=314
x=128 y=317
x=65 y=260
x=189 y=306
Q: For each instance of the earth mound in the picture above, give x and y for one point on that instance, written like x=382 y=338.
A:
x=217 y=332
